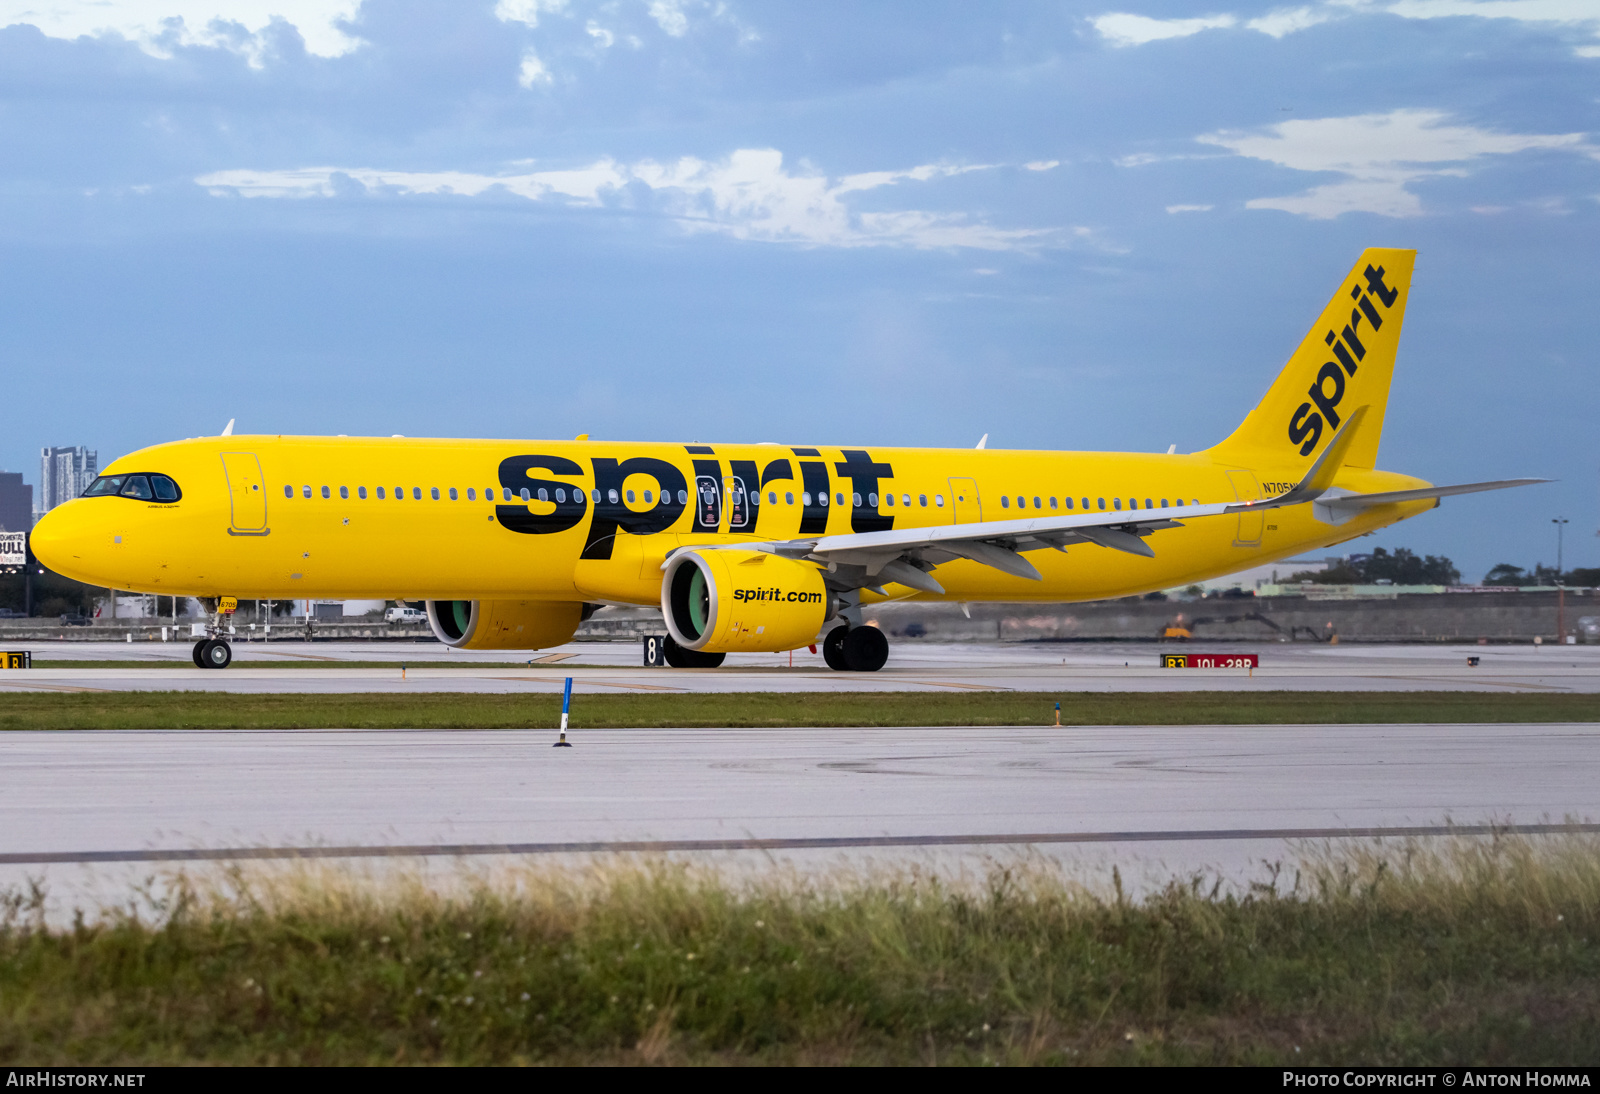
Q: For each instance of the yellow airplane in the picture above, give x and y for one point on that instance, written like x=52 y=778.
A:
x=752 y=547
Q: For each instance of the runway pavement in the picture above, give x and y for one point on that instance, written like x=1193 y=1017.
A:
x=913 y=666
x=1153 y=798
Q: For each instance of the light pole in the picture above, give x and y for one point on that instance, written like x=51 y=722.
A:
x=1561 y=591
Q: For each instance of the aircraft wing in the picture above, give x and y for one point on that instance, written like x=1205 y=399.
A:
x=905 y=556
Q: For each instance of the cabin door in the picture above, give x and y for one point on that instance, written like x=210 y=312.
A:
x=1245 y=488
x=247 y=490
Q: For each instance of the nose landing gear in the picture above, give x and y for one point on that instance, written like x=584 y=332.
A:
x=212 y=653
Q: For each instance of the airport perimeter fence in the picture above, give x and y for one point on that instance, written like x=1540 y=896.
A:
x=1509 y=617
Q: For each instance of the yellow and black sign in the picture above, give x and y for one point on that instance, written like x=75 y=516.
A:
x=228 y=605
x=17 y=659
x=1210 y=661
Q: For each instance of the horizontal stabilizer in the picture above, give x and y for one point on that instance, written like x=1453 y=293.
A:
x=1340 y=508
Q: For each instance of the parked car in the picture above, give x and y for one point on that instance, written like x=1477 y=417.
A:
x=405 y=615
x=77 y=620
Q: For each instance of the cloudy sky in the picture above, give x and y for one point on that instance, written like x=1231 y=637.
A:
x=1066 y=225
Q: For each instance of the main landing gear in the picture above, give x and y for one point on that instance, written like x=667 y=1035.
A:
x=680 y=658
x=212 y=653
x=855 y=649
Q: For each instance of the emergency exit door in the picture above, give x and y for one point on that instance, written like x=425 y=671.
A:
x=964 y=503
x=247 y=490
x=1245 y=488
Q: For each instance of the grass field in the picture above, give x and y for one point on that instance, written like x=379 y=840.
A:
x=450 y=710
x=1482 y=952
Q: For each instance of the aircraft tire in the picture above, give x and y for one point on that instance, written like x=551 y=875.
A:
x=833 y=649
x=865 y=649
x=673 y=653
x=199 y=649
x=680 y=658
x=218 y=654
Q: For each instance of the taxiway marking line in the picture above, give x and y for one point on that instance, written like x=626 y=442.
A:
x=48 y=687
x=457 y=850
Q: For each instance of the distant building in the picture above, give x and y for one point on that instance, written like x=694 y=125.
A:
x=16 y=503
x=64 y=473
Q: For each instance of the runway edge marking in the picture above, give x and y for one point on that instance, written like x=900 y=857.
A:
x=462 y=850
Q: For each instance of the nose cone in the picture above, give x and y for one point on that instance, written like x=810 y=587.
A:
x=65 y=540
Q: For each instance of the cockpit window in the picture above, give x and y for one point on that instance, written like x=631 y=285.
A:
x=138 y=487
x=105 y=484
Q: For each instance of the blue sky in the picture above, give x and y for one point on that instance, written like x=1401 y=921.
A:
x=1064 y=225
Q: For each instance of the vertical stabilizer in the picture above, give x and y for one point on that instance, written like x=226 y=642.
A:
x=1345 y=362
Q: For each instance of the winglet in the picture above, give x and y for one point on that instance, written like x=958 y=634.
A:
x=1322 y=473
x=227 y=430
x=983 y=440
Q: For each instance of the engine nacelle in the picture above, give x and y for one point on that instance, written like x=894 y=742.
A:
x=504 y=624
x=742 y=601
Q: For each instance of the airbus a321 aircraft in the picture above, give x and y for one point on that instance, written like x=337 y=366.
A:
x=752 y=547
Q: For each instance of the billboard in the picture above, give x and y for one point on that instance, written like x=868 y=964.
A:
x=13 y=552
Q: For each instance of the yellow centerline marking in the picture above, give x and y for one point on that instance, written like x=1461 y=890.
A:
x=974 y=687
x=51 y=687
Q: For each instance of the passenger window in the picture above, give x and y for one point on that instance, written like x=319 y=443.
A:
x=507 y=490
x=772 y=497
x=361 y=492
x=472 y=494
x=326 y=493
x=788 y=498
x=1052 y=503
x=923 y=500
x=288 y=491
x=165 y=488
x=1147 y=504
x=822 y=499
x=595 y=494
x=938 y=500
x=543 y=494
x=905 y=499
x=1036 y=504
x=840 y=499
x=1005 y=501
x=805 y=497
x=1068 y=501
x=137 y=486
x=453 y=495
x=1086 y=503
x=344 y=493
x=872 y=500
x=1116 y=503
x=399 y=493
x=416 y=493
x=526 y=495
x=305 y=491
x=888 y=499
x=683 y=497
x=648 y=497
x=380 y=493
x=611 y=496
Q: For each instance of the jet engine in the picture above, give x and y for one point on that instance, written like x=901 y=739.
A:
x=737 y=601
x=505 y=624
